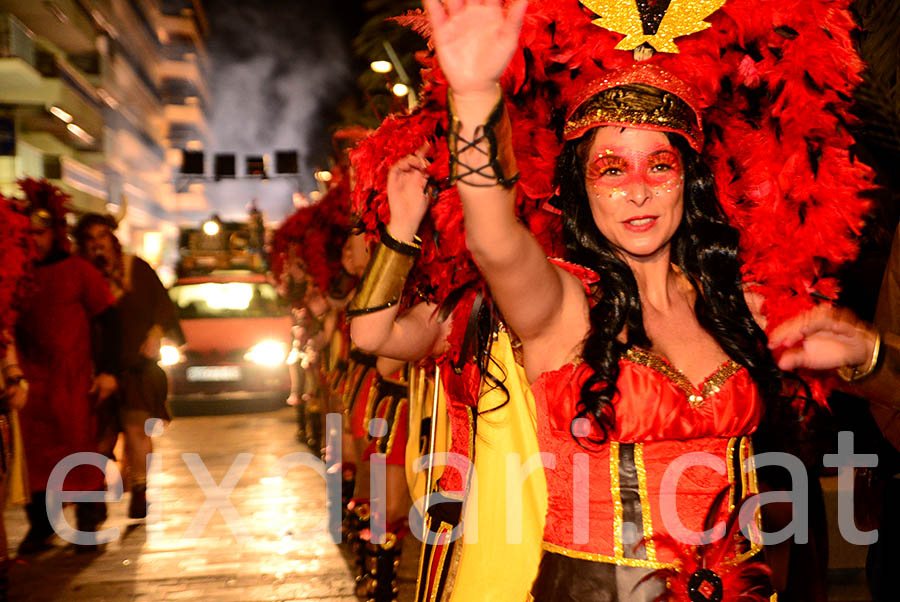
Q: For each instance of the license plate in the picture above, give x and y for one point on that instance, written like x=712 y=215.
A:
x=213 y=373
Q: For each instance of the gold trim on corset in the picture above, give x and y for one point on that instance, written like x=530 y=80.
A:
x=635 y=562
x=657 y=363
x=714 y=383
x=751 y=488
x=711 y=385
x=615 y=491
x=646 y=513
x=729 y=465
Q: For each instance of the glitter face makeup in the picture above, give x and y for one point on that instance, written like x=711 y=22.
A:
x=635 y=183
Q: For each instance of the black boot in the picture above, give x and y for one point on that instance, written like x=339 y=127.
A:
x=314 y=432
x=301 y=419
x=41 y=531
x=357 y=536
x=348 y=484
x=137 y=506
x=88 y=517
x=4 y=580
x=383 y=562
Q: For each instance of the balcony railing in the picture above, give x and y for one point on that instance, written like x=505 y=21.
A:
x=16 y=40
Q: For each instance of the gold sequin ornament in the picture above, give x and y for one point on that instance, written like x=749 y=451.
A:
x=636 y=20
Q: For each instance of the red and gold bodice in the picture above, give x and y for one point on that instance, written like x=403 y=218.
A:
x=674 y=448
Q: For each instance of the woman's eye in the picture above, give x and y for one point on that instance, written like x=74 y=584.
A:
x=661 y=167
x=611 y=171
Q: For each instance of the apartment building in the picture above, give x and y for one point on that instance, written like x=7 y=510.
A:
x=100 y=96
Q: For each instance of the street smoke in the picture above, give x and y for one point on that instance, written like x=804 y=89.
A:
x=277 y=69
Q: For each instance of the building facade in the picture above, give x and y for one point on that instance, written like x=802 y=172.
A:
x=100 y=97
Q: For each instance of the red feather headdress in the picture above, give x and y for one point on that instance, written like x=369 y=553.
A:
x=314 y=235
x=46 y=205
x=773 y=80
x=18 y=254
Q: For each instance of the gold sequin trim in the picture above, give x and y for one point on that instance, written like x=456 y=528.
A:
x=729 y=464
x=646 y=515
x=714 y=383
x=615 y=490
x=655 y=362
x=711 y=385
x=635 y=562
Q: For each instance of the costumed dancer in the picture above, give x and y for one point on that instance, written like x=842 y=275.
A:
x=493 y=406
x=17 y=255
x=146 y=314
x=53 y=338
x=446 y=313
x=640 y=209
x=375 y=388
x=303 y=262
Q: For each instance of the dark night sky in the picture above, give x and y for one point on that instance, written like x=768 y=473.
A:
x=278 y=68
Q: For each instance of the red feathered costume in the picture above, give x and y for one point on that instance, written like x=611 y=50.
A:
x=773 y=81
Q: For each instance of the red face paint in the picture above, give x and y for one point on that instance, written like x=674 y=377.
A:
x=635 y=180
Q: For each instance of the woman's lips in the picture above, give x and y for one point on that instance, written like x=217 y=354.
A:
x=640 y=223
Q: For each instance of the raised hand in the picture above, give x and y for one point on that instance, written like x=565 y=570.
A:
x=822 y=338
x=406 y=195
x=474 y=41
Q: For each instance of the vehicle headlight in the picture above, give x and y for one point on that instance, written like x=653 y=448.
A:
x=267 y=353
x=169 y=355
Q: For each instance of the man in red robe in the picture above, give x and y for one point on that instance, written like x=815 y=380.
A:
x=53 y=337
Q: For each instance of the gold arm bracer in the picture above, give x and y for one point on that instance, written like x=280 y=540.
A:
x=382 y=283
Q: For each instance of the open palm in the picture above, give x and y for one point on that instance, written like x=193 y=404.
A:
x=474 y=40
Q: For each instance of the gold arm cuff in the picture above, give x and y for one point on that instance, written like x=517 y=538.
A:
x=854 y=374
x=383 y=281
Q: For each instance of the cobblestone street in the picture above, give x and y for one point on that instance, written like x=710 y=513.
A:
x=285 y=555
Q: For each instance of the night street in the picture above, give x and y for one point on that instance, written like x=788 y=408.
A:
x=157 y=562
x=449 y=300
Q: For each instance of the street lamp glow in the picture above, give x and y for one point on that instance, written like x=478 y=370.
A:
x=210 y=227
x=323 y=175
x=80 y=133
x=400 y=90
x=169 y=355
x=381 y=66
x=62 y=115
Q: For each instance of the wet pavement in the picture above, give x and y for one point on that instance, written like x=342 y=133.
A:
x=280 y=552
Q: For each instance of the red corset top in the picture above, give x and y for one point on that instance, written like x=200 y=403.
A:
x=604 y=500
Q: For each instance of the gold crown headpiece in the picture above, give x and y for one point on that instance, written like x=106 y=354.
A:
x=642 y=96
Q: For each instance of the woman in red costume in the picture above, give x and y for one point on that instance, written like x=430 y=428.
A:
x=601 y=345
x=53 y=338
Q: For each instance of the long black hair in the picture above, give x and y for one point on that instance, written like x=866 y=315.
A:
x=705 y=249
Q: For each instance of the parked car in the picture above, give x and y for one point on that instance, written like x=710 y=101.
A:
x=237 y=333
